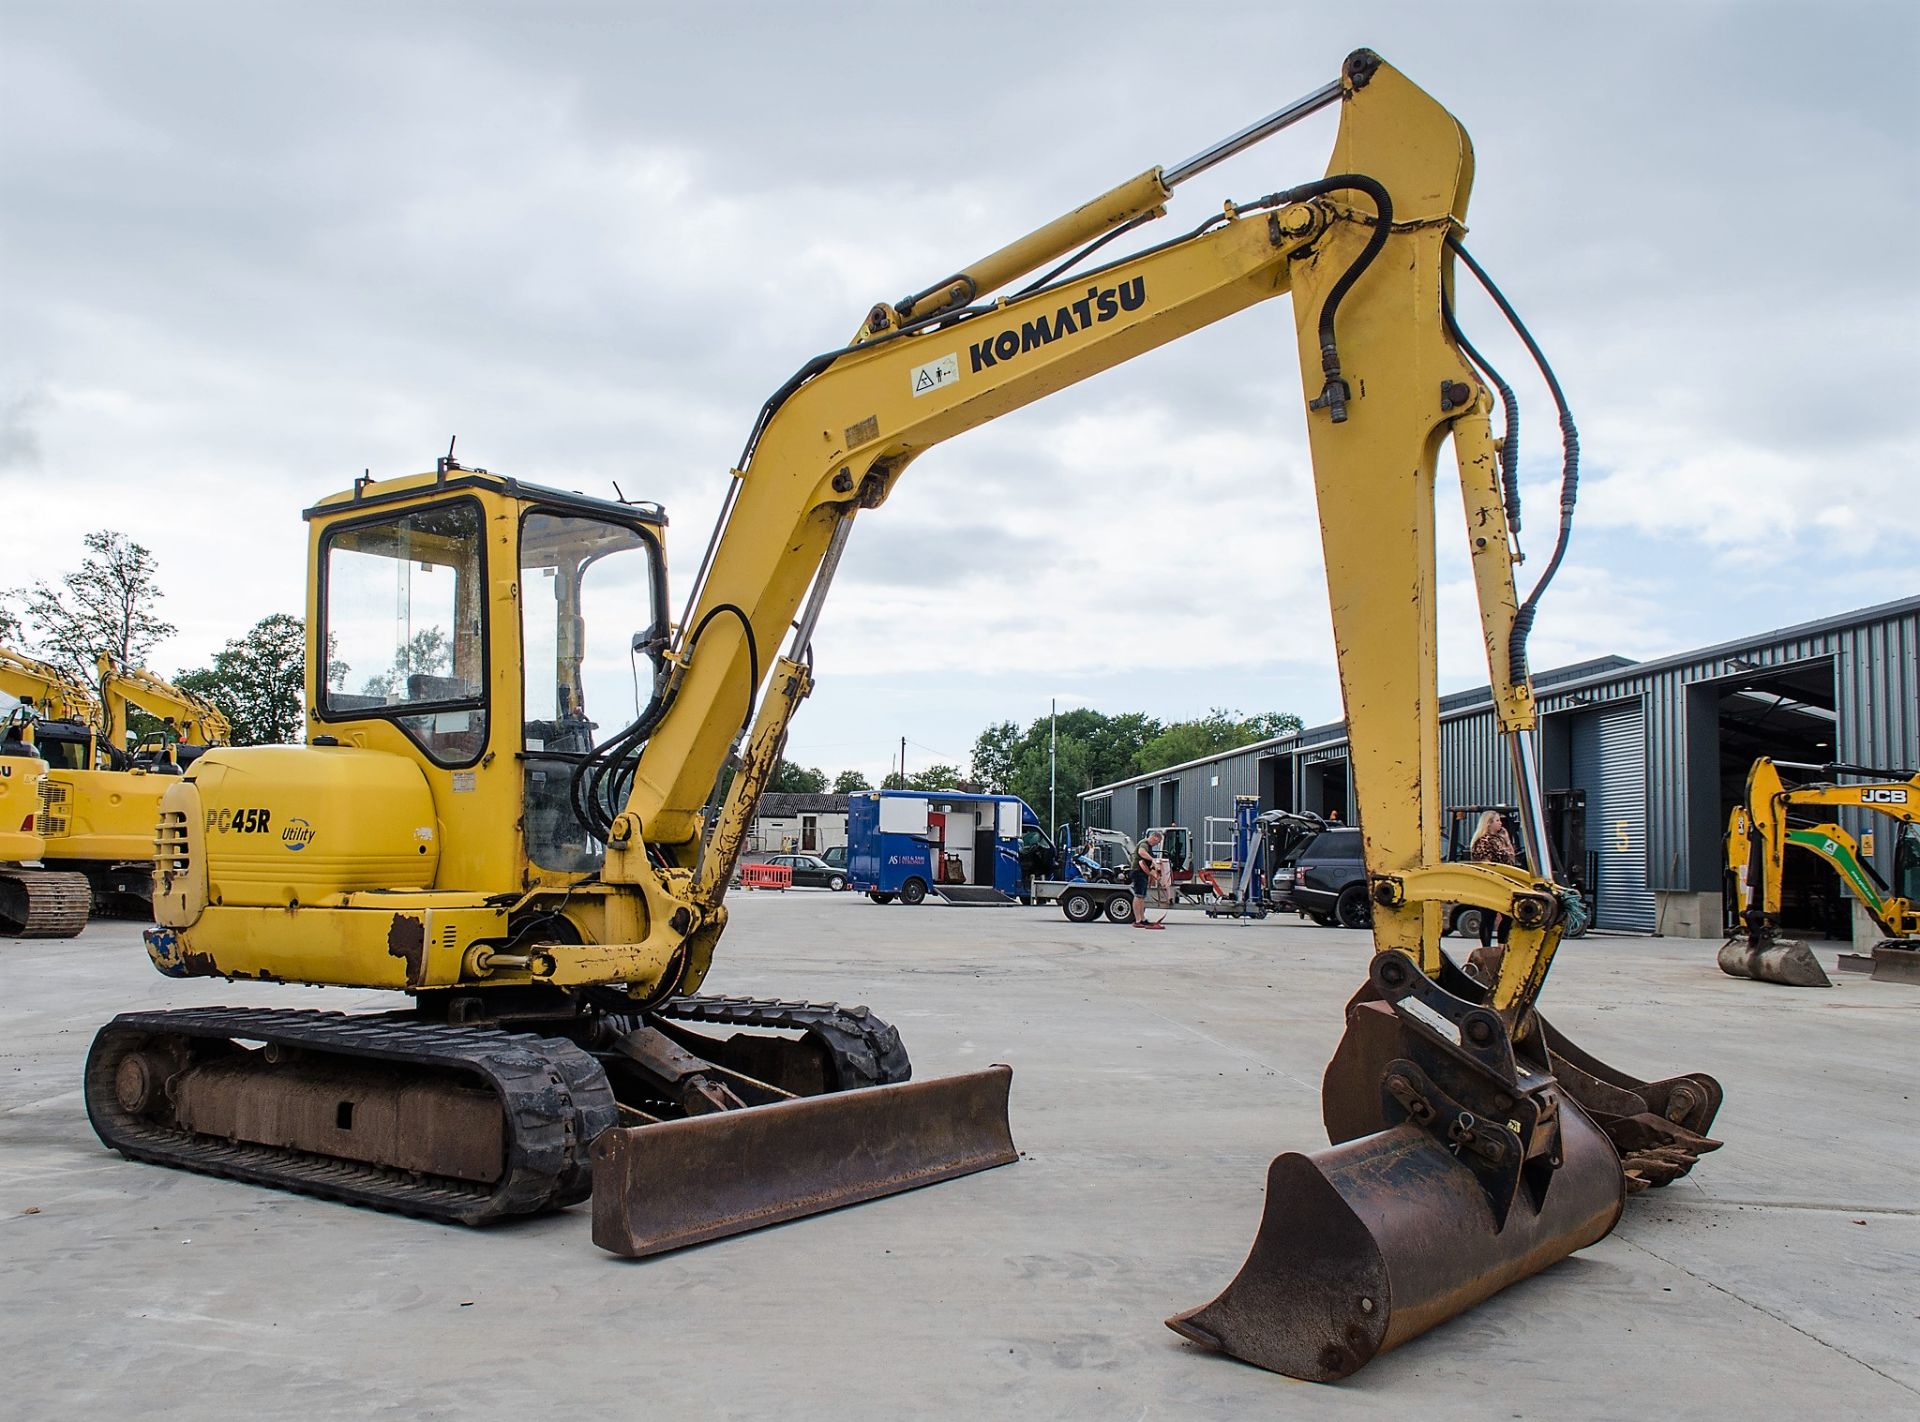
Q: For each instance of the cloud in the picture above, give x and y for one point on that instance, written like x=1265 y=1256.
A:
x=251 y=251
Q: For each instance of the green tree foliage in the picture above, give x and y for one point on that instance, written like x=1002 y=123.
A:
x=791 y=779
x=12 y=630
x=259 y=681
x=1219 y=730
x=427 y=653
x=107 y=605
x=1096 y=749
x=938 y=777
x=849 y=781
x=1093 y=749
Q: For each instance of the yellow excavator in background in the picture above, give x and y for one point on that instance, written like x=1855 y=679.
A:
x=36 y=901
x=1760 y=832
x=189 y=723
x=476 y=820
x=96 y=809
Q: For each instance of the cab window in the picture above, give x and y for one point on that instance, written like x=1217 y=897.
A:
x=404 y=615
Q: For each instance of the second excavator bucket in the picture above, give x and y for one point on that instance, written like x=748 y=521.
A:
x=1461 y=1163
x=674 y=1183
x=1785 y=961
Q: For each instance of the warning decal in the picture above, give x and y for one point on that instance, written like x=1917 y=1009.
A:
x=936 y=375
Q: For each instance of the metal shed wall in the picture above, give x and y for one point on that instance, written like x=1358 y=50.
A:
x=1876 y=660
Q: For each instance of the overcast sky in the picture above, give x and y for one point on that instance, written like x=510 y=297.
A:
x=248 y=250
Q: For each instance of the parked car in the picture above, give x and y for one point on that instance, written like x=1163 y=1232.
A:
x=810 y=871
x=835 y=858
x=1325 y=878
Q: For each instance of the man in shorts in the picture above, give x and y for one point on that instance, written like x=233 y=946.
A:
x=1146 y=860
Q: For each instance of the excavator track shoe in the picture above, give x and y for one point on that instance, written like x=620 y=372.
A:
x=455 y=1123
x=43 y=903
x=674 y=1183
x=1472 y=1171
x=1785 y=961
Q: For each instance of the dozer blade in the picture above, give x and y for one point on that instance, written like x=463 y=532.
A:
x=667 y=1185
x=1786 y=961
x=1460 y=1166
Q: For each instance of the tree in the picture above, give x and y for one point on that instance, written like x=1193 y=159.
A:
x=1219 y=730
x=106 y=606
x=995 y=754
x=11 y=628
x=427 y=653
x=791 y=779
x=938 y=777
x=849 y=781
x=259 y=681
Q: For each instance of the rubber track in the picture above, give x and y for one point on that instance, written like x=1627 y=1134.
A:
x=556 y=1097
x=56 y=903
x=865 y=1050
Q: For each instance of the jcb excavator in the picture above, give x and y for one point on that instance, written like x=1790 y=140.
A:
x=1760 y=832
x=189 y=723
x=463 y=825
x=97 y=808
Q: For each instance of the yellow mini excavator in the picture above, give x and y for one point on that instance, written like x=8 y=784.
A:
x=97 y=808
x=477 y=822
x=1760 y=832
x=35 y=901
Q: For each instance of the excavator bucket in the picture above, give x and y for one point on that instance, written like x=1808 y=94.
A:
x=1786 y=961
x=1461 y=1163
x=673 y=1183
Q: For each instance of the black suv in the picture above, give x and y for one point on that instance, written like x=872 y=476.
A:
x=1321 y=874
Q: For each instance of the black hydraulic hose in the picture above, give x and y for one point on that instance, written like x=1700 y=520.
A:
x=1510 y=416
x=1335 y=393
x=1569 y=468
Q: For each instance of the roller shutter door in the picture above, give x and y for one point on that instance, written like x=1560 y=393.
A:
x=1609 y=753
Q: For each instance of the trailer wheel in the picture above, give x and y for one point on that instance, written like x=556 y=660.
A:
x=1120 y=908
x=913 y=891
x=879 y=897
x=1078 y=906
x=1466 y=920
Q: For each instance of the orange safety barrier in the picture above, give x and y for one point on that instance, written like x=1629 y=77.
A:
x=765 y=876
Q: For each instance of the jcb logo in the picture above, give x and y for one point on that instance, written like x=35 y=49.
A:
x=1883 y=797
x=249 y=821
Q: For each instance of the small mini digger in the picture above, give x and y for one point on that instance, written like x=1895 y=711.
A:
x=465 y=824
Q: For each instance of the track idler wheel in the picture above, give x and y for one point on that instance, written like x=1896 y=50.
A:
x=1477 y=1171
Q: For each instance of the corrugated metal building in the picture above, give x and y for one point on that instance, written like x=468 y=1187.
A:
x=1661 y=749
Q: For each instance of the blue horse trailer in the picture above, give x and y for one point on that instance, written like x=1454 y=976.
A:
x=962 y=847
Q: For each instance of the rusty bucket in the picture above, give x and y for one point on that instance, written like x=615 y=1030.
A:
x=1472 y=1169
x=675 y=1183
x=1786 y=961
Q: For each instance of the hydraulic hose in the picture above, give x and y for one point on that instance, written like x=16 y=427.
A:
x=1335 y=393
x=1569 y=468
x=1510 y=417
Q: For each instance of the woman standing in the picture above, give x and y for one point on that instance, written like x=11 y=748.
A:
x=1492 y=845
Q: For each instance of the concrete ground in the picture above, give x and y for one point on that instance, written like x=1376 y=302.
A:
x=1156 y=1074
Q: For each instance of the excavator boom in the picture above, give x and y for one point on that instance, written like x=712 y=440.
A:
x=539 y=871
